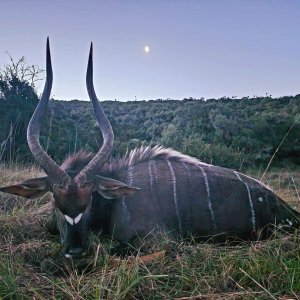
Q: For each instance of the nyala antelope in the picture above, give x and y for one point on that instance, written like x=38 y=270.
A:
x=149 y=188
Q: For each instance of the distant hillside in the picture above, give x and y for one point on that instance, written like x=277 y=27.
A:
x=230 y=132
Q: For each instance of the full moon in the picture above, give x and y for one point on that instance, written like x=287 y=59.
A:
x=147 y=49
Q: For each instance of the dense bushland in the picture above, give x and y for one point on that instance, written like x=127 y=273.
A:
x=234 y=133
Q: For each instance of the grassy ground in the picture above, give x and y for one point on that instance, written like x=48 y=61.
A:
x=31 y=265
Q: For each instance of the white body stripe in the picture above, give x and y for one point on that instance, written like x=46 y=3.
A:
x=150 y=173
x=174 y=193
x=154 y=171
x=125 y=209
x=187 y=170
x=130 y=175
x=253 y=219
x=130 y=181
x=212 y=214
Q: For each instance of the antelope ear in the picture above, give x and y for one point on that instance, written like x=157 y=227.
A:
x=110 y=188
x=31 y=188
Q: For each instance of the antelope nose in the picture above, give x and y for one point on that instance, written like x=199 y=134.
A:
x=75 y=252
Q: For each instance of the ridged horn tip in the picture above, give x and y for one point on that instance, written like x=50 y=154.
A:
x=91 y=50
x=90 y=62
x=48 y=60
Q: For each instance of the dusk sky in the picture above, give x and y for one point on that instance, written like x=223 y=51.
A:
x=197 y=48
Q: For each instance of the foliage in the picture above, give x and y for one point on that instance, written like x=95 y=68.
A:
x=18 y=99
x=234 y=133
x=18 y=79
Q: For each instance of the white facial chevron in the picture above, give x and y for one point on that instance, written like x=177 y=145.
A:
x=73 y=221
x=78 y=218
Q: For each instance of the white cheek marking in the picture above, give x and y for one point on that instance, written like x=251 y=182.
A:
x=78 y=218
x=260 y=199
x=69 y=220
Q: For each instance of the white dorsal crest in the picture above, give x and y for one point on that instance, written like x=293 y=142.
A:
x=73 y=221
